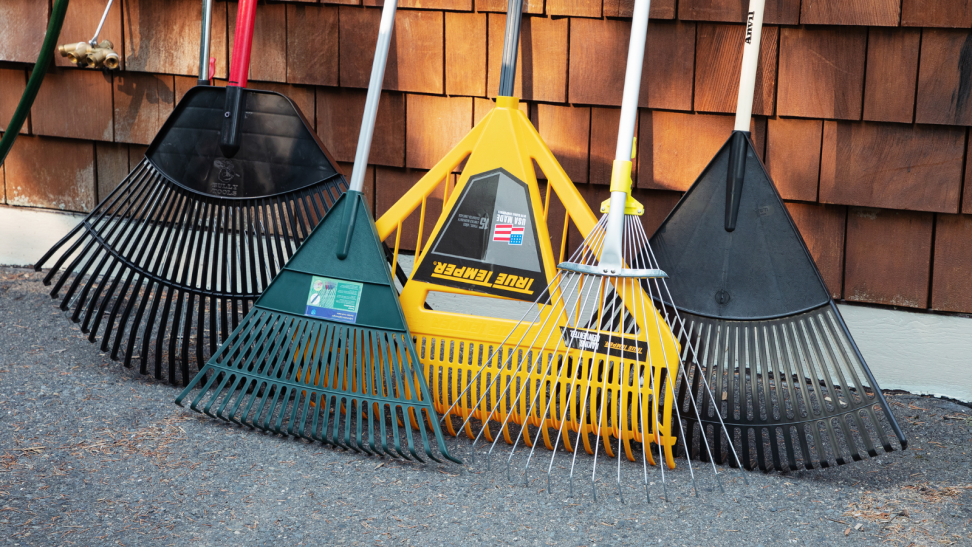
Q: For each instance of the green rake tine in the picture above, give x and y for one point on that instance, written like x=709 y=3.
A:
x=291 y=391
x=361 y=347
x=398 y=355
x=268 y=332
x=281 y=357
x=318 y=383
x=338 y=350
x=343 y=401
x=309 y=363
x=375 y=418
x=417 y=393
x=394 y=391
x=353 y=381
x=240 y=388
x=326 y=379
x=214 y=394
x=384 y=356
x=262 y=383
x=362 y=382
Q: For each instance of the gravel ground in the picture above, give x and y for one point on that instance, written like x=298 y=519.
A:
x=91 y=453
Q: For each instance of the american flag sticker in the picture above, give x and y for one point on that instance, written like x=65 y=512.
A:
x=508 y=233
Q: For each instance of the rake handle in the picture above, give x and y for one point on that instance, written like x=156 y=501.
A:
x=511 y=40
x=738 y=146
x=205 y=73
x=230 y=134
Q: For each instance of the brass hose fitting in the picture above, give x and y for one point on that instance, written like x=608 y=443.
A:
x=92 y=56
x=76 y=53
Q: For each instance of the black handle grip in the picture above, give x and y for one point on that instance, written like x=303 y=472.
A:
x=735 y=176
x=229 y=136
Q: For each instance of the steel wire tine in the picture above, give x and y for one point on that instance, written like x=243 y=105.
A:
x=584 y=402
x=561 y=304
x=606 y=281
x=546 y=412
x=486 y=391
x=536 y=303
x=645 y=443
x=557 y=302
x=551 y=359
x=675 y=405
x=653 y=408
x=652 y=262
x=579 y=363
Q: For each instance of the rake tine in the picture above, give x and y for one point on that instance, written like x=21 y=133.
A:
x=126 y=272
x=134 y=179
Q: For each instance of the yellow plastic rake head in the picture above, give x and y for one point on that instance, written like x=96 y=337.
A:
x=453 y=347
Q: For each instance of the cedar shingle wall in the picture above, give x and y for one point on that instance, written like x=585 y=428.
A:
x=862 y=108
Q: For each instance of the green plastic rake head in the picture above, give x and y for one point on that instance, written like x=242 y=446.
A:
x=325 y=354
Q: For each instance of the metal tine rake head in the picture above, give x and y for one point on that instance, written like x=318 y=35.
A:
x=592 y=366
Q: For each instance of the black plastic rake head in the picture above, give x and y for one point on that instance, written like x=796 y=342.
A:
x=751 y=308
x=164 y=268
x=325 y=354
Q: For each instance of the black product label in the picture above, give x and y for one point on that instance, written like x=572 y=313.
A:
x=489 y=241
x=602 y=343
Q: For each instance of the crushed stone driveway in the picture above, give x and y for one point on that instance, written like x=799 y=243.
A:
x=92 y=453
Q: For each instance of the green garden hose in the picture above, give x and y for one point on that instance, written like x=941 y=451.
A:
x=33 y=85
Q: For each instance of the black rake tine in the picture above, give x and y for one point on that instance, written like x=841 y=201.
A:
x=83 y=224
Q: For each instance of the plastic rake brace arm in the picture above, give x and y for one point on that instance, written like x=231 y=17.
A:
x=744 y=112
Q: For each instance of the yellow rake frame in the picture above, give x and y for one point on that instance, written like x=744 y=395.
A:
x=454 y=346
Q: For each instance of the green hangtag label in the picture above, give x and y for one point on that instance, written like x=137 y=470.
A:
x=333 y=299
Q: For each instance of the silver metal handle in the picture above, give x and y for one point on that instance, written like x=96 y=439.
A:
x=374 y=94
x=204 y=38
x=511 y=39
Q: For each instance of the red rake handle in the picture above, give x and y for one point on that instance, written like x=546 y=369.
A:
x=231 y=132
x=242 y=43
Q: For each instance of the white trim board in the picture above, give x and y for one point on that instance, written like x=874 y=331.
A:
x=26 y=234
x=917 y=352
